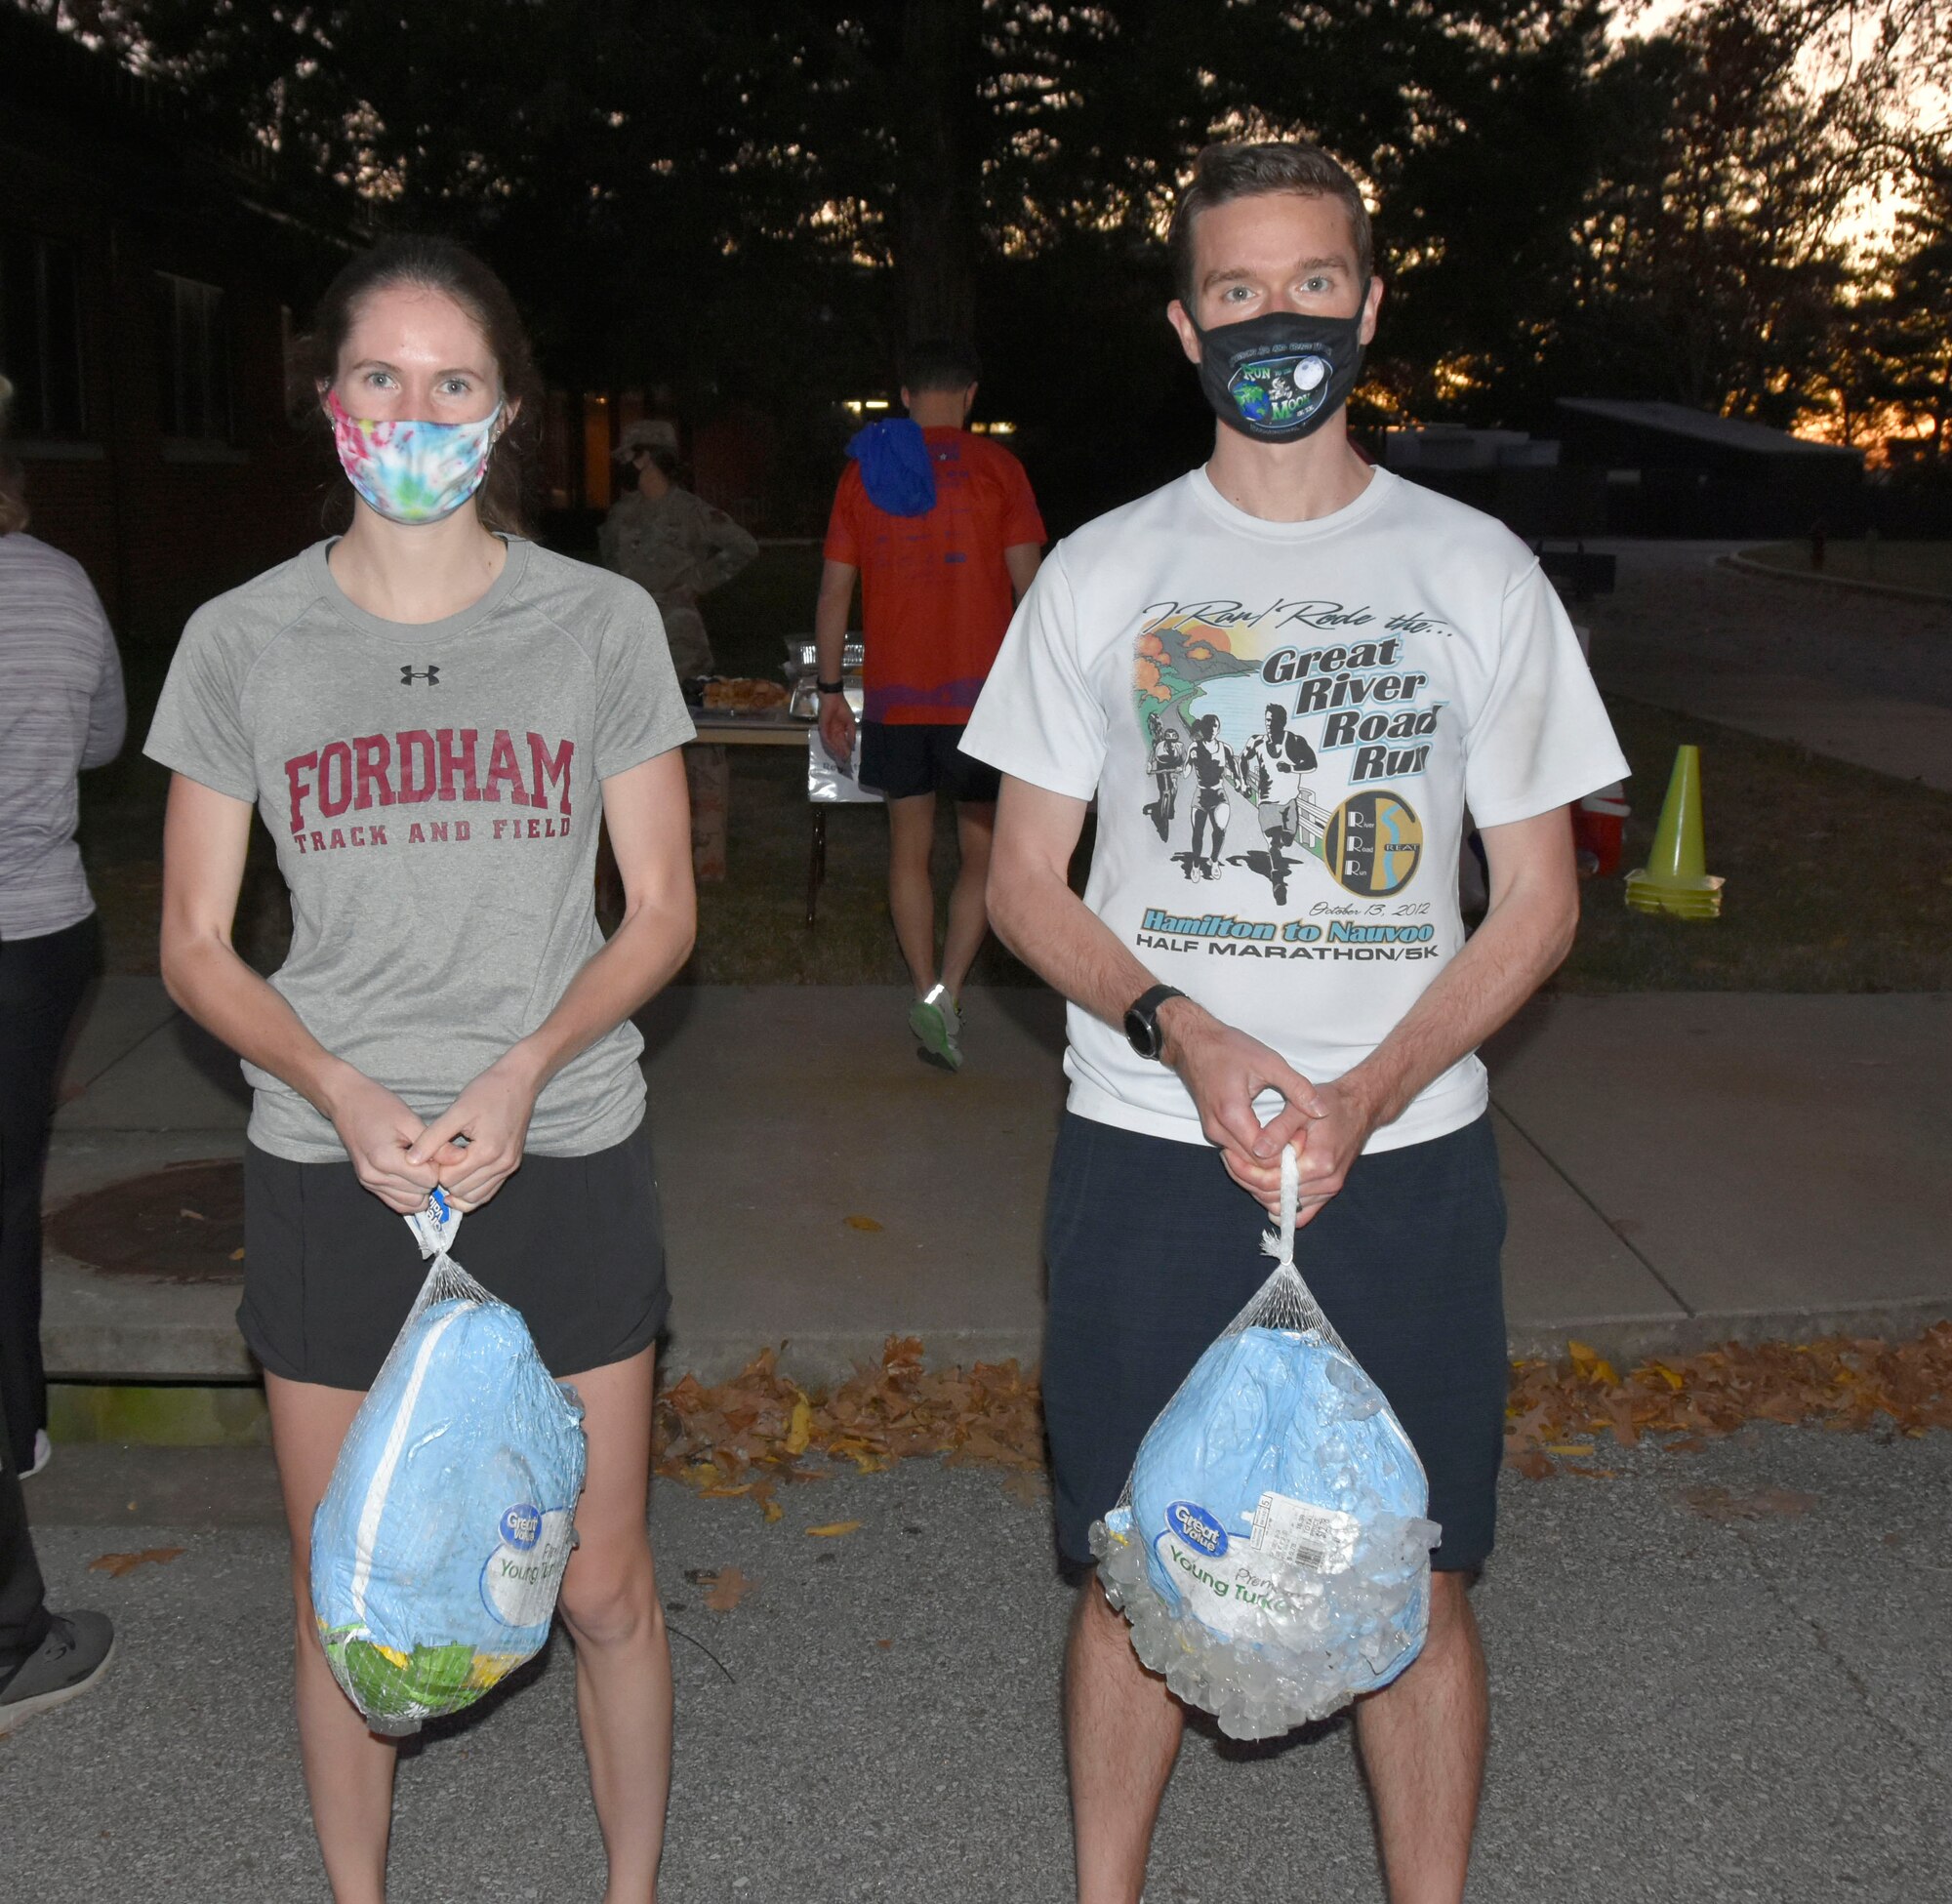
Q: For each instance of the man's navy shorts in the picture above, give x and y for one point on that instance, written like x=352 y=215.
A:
x=1153 y=1249
x=903 y=758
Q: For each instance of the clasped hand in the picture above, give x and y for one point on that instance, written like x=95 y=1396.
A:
x=471 y=1150
x=1225 y=1071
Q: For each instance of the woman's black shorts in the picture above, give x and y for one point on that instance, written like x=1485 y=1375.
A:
x=575 y=1243
x=1153 y=1249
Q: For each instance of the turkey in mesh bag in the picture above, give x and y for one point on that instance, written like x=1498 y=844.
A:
x=1272 y=1549
x=439 y=1548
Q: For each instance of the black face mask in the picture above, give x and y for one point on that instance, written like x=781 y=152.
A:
x=1280 y=376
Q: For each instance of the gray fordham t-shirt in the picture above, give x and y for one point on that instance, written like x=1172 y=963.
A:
x=433 y=790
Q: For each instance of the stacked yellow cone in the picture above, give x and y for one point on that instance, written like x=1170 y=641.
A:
x=1673 y=881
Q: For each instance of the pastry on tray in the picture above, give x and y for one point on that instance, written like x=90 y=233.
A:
x=744 y=696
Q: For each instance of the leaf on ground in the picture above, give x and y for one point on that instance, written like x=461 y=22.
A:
x=728 y=1587
x=1030 y=1489
x=799 y=1429
x=863 y=1223
x=834 y=1530
x=118 y=1565
x=884 y=1644
x=1712 y=1503
x=1531 y=1463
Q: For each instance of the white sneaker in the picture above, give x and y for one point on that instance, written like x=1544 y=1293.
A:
x=44 y=1452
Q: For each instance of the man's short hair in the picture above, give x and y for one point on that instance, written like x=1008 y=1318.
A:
x=1227 y=172
x=938 y=364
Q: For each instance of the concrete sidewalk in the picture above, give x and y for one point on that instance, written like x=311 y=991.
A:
x=1679 y=1169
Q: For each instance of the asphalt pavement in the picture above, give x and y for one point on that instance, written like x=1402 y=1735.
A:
x=1844 y=671
x=1716 y=1677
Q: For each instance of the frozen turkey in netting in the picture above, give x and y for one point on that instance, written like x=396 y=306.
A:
x=1271 y=1548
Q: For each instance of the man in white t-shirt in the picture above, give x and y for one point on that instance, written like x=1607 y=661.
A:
x=1313 y=982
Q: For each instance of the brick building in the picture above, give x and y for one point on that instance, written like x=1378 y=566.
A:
x=148 y=282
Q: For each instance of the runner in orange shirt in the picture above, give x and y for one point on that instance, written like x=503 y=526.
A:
x=942 y=528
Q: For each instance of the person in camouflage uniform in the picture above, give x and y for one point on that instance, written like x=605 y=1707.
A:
x=669 y=543
x=677 y=547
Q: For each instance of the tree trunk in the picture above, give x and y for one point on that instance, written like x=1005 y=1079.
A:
x=935 y=228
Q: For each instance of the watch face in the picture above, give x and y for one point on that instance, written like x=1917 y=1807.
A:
x=1142 y=1032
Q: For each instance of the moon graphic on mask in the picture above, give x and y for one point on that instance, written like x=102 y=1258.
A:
x=1309 y=373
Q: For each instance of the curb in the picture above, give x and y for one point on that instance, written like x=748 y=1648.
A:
x=225 y=1411
x=1891 y=589
x=1628 y=1340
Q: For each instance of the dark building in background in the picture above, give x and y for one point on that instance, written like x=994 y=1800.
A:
x=1507 y=473
x=1670 y=471
x=148 y=286
x=1620 y=468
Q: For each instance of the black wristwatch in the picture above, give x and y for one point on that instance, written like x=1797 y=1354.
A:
x=1142 y=1025
x=829 y=687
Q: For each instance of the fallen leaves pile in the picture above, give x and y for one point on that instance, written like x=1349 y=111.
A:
x=745 y=1438
x=1852 y=1384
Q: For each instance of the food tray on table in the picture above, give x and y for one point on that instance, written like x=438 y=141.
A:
x=725 y=694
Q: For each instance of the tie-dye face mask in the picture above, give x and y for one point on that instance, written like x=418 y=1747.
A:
x=412 y=471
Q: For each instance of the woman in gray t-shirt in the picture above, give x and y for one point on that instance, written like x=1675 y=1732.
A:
x=431 y=715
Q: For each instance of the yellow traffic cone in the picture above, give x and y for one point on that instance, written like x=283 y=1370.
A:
x=1673 y=881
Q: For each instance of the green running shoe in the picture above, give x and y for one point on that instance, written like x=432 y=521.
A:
x=934 y=1019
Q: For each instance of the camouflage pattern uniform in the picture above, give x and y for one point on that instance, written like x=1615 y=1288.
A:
x=677 y=548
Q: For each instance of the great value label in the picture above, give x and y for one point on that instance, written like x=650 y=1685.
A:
x=524 y=1573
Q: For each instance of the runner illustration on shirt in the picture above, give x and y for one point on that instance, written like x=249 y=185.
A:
x=1165 y=763
x=1214 y=764
x=1272 y=765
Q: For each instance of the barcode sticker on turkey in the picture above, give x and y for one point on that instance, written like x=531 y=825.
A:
x=1320 y=1539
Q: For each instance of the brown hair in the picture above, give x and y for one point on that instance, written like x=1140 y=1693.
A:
x=438 y=264
x=14 y=516
x=1225 y=172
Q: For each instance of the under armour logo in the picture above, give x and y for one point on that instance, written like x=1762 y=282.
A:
x=430 y=676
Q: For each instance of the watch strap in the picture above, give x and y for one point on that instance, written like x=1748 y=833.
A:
x=1143 y=1012
x=829 y=687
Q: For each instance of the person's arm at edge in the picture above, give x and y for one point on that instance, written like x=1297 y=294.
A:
x=107 y=705
x=1036 y=914
x=649 y=821
x=1022 y=559
x=1526 y=934
x=829 y=644
x=206 y=835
